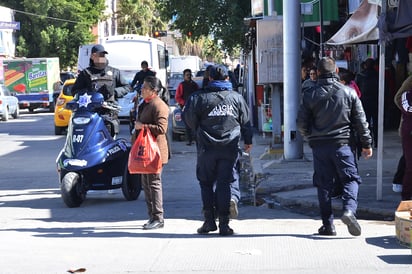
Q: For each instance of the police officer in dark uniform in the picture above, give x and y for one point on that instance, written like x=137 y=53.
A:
x=103 y=78
x=219 y=116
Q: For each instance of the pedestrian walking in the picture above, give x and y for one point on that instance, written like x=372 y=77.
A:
x=219 y=117
x=311 y=81
x=348 y=78
x=368 y=83
x=326 y=116
x=403 y=100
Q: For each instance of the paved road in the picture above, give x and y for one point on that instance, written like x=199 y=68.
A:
x=39 y=234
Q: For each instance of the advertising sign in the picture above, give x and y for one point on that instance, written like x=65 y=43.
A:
x=10 y=25
x=270 y=50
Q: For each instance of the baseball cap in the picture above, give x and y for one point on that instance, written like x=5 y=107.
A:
x=218 y=72
x=99 y=49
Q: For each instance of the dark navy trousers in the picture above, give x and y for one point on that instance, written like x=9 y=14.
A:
x=218 y=177
x=335 y=162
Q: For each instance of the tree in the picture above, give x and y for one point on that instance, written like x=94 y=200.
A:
x=50 y=28
x=138 y=17
x=55 y=28
x=220 y=19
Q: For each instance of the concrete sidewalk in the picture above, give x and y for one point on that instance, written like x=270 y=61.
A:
x=288 y=183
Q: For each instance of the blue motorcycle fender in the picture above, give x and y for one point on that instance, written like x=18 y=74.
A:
x=107 y=153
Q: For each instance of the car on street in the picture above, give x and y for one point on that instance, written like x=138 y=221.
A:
x=178 y=126
x=64 y=75
x=61 y=114
x=9 y=104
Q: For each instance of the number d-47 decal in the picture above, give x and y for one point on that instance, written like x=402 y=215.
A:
x=78 y=138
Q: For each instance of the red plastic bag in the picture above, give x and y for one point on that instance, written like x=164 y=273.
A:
x=144 y=157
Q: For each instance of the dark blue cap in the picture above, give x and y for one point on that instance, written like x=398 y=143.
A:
x=219 y=72
x=99 y=49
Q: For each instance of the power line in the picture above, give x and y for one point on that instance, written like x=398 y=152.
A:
x=47 y=17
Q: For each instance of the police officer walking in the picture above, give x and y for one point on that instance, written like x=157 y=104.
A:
x=219 y=117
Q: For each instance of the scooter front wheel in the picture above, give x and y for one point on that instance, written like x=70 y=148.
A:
x=72 y=193
x=132 y=185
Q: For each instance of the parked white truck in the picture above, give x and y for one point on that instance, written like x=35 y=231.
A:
x=127 y=51
x=180 y=63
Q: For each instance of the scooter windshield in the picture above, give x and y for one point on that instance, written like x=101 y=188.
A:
x=89 y=100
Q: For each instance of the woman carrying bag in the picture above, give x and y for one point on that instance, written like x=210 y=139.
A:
x=153 y=115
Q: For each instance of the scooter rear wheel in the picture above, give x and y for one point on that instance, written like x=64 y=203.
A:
x=72 y=193
x=131 y=186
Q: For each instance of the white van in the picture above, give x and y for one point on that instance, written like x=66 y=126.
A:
x=180 y=63
x=126 y=52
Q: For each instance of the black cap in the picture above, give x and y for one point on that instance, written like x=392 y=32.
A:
x=98 y=49
x=218 y=72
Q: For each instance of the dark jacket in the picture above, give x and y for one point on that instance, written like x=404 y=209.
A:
x=219 y=116
x=139 y=77
x=108 y=81
x=368 y=83
x=329 y=112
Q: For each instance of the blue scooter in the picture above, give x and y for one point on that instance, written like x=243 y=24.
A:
x=92 y=159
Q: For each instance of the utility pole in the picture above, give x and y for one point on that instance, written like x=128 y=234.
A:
x=293 y=142
x=322 y=47
x=381 y=98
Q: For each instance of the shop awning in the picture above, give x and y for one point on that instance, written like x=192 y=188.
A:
x=361 y=27
x=367 y=26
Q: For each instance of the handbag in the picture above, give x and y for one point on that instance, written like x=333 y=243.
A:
x=144 y=157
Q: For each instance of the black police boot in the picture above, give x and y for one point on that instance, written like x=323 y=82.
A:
x=209 y=224
x=224 y=229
